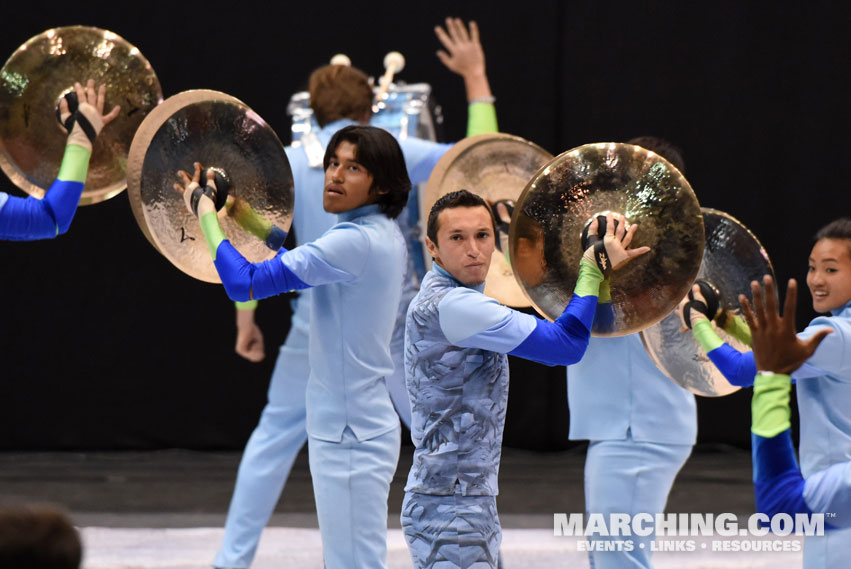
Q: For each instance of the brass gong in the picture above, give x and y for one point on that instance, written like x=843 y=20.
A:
x=38 y=74
x=221 y=132
x=732 y=258
x=565 y=195
x=496 y=167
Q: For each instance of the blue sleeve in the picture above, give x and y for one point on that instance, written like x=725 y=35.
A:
x=829 y=491
x=564 y=341
x=739 y=368
x=27 y=219
x=337 y=256
x=251 y=281
x=777 y=480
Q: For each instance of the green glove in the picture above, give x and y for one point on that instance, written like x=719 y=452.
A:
x=770 y=412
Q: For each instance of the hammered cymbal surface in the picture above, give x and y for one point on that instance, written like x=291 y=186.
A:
x=732 y=258
x=219 y=131
x=568 y=192
x=39 y=73
x=497 y=167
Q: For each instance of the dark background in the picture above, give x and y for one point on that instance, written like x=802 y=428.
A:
x=104 y=344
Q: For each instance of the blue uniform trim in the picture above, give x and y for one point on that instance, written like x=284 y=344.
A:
x=564 y=341
x=738 y=368
x=26 y=219
x=777 y=480
x=275 y=239
x=246 y=281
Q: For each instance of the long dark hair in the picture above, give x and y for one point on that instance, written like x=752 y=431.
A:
x=380 y=154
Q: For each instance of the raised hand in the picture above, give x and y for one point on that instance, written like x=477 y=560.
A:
x=776 y=345
x=90 y=103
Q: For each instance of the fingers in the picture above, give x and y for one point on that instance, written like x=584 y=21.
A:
x=620 y=226
x=91 y=94
x=633 y=253
x=813 y=343
x=211 y=178
x=758 y=304
x=112 y=114
x=196 y=177
x=593 y=227
x=629 y=235
x=790 y=304
x=747 y=312
x=771 y=312
x=444 y=38
x=80 y=91
x=444 y=58
x=100 y=99
x=610 y=224
x=474 y=32
x=64 y=111
x=184 y=177
x=457 y=30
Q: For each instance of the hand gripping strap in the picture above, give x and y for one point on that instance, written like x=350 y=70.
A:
x=76 y=117
x=197 y=193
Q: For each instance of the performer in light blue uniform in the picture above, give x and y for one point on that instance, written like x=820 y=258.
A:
x=823 y=483
x=357 y=268
x=457 y=372
x=340 y=96
x=640 y=425
x=27 y=219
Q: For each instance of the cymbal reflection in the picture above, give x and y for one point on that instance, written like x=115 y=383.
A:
x=589 y=180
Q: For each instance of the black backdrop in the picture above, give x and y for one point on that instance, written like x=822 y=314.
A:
x=105 y=345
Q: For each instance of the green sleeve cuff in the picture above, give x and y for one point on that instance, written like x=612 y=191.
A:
x=481 y=119
x=247 y=305
x=706 y=336
x=589 y=279
x=248 y=218
x=212 y=232
x=75 y=164
x=605 y=296
x=770 y=412
x=738 y=328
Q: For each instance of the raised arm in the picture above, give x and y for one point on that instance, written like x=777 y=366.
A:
x=464 y=55
x=779 y=486
x=27 y=219
x=469 y=319
x=333 y=258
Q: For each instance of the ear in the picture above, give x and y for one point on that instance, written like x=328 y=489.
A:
x=431 y=246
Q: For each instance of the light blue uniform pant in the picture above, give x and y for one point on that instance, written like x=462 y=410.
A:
x=629 y=477
x=451 y=532
x=278 y=438
x=351 y=483
x=270 y=452
x=833 y=549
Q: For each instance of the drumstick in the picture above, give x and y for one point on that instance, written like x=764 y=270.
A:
x=341 y=59
x=394 y=62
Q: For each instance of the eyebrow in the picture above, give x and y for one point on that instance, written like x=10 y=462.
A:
x=829 y=259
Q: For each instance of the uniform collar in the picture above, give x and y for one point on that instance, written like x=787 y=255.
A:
x=444 y=273
x=359 y=212
x=842 y=311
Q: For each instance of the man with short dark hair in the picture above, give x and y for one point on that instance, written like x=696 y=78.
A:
x=356 y=270
x=457 y=372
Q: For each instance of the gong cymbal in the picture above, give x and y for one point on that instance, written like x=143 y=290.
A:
x=496 y=167
x=221 y=132
x=732 y=258
x=568 y=192
x=38 y=74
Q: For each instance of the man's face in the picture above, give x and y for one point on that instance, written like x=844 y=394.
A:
x=465 y=242
x=829 y=274
x=347 y=183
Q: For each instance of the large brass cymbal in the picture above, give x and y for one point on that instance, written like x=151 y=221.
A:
x=497 y=167
x=732 y=258
x=41 y=71
x=222 y=132
x=591 y=179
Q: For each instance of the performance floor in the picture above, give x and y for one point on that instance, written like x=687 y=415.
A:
x=165 y=509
